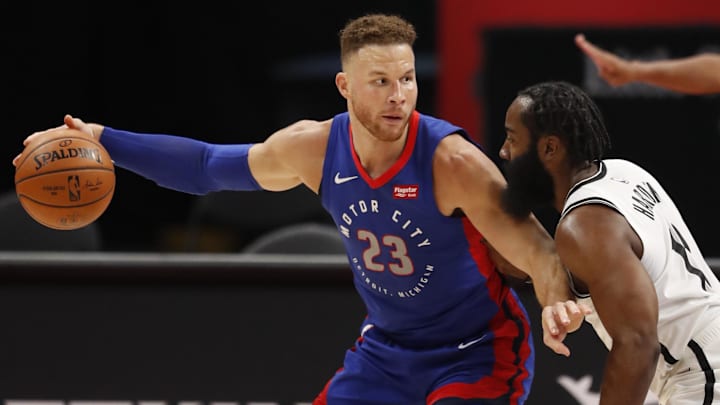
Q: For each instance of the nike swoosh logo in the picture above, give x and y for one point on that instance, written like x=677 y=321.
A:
x=341 y=180
x=465 y=345
x=366 y=328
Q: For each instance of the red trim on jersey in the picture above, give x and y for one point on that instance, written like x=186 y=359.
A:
x=398 y=165
x=504 y=377
x=321 y=398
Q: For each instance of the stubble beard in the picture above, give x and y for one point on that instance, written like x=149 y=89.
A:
x=377 y=129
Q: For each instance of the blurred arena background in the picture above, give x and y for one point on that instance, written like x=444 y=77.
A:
x=131 y=321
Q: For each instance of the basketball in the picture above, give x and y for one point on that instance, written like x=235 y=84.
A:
x=65 y=179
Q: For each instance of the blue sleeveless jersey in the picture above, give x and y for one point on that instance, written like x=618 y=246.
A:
x=426 y=278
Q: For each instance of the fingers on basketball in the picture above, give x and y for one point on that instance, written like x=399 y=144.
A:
x=64 y=179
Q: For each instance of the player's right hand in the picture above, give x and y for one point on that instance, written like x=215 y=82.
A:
x=92 y=130
x=559 y=320
x=612 y=68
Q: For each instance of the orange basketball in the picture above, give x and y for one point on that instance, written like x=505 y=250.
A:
x=65 y=179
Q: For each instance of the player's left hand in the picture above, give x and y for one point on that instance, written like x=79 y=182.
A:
x=559 y=320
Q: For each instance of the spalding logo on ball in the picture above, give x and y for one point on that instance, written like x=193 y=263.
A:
x=65 y=179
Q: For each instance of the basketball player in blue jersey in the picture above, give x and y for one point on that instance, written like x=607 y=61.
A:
x=418 y=206
x=626 y=245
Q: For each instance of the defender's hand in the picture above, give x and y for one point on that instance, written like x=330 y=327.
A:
x=559 y=320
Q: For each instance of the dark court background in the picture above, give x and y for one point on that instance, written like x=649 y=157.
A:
x=118 y=328
x=226 y=73
x=674 y=136
x=219 y=71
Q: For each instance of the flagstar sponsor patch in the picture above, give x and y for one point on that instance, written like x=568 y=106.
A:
x=405 y=191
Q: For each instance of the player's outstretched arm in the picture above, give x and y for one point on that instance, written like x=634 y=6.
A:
x=697 y=74
x=284 y=160
x=554 y=316
x=612 y=68
x=467 y=179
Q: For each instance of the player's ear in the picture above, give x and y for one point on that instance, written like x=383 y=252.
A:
x=548 y=147
x=341 y=82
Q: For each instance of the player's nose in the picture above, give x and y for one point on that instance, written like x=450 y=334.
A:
x=504 y=153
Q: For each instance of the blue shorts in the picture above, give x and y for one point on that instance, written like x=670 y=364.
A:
x=492 y=368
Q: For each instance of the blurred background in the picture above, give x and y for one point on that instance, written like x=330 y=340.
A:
x=227 y=72
x=218 y=71
x=224 y=329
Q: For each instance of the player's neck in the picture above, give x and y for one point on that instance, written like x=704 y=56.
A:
x=377 y=156
x=582 y=173
x=563 y=184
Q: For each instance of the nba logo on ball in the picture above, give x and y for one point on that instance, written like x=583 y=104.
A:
x=65 y=179
x=74 y=188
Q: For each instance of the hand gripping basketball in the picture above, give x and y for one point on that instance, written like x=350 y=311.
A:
x=65 y=179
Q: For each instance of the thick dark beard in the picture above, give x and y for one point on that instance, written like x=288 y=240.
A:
x=529 y=187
